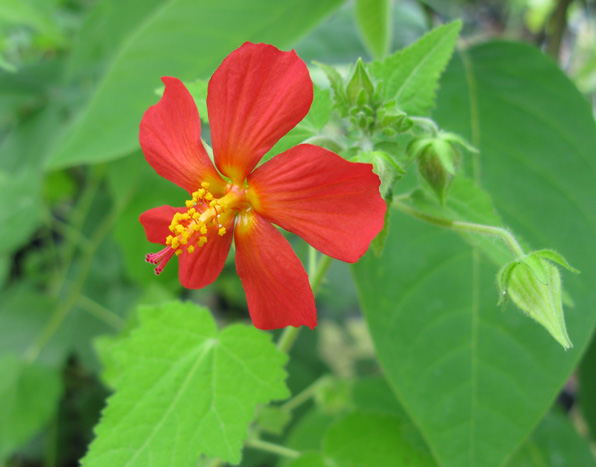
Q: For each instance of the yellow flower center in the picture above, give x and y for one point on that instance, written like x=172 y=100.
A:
x=204 y=212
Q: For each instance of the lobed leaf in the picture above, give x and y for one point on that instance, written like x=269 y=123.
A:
x=183 y=389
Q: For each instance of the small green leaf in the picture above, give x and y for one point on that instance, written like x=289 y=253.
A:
x=185 y=385
x=273 y=419
x=557 y=258
x=411 y=75
x=29 y=394
x=374 y=21
x=335 y=79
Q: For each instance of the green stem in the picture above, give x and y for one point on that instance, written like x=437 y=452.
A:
x=74 y=294
x=303 y=396
x=272 y=448
x=316 y=273
x=467 y=227
x=100 y=312
x=76 y=225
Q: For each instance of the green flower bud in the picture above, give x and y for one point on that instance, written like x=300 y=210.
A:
x=533 y=283
x=438 y=158
x=360 y=89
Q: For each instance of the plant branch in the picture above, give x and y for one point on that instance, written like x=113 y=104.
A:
x=467 y=227
x=272 y=448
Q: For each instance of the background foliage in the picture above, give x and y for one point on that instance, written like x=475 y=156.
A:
x=432 y=372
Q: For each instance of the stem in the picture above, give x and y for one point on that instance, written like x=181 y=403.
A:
x=73 y=297
x=303 y=396
x=100 y=312
x=316 y=273
x=468 y=227
x=76 y=225
x=272 y=448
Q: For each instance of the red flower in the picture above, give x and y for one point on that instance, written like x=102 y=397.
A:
x=255 y=97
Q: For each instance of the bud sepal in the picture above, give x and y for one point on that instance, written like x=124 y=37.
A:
x=533 y=283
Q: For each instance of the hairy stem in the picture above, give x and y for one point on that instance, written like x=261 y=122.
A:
x=468 y=227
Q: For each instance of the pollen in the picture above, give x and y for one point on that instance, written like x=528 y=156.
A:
x=190 y=229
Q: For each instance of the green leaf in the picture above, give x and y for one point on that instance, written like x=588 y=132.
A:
x=29 y=394
x=183 y=38
x=553 y=442
x=411 y=75
x=556 y=258
x=185 y=390
x=273 y=419
x=474 y=379
x=312 y=459
x=361 y=438
x=374 y=21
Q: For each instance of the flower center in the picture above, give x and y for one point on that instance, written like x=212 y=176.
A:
x=204 y=215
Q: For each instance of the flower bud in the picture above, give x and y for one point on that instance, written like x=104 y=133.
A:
x=533 y=283
x=437 y=163
x=360 y=89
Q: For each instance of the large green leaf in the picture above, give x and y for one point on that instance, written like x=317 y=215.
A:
x=183 y=38
x=183 y=389
x=29 y=394
x=475 y=378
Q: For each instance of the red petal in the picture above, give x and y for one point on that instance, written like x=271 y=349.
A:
x=331 y=203
x=157 y=222
x=201 y=268
x=256 y=96
x=274 y=280
x=170 y=136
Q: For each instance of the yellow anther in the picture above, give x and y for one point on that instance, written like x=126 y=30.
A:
x=196 y=227
x=205 y=184
x=208 y=196
x=172 y=227
x=189 y=203
x=178 y=252
x=222 y=231
x=196 y=215
x=185 y=216
x=192 y=211
x=175 y=242
x=190 y=249
x=169 y=240
x=179 y=229
x=202 y=241
x=183 y=241
x=213 y=203
x=203 y=229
